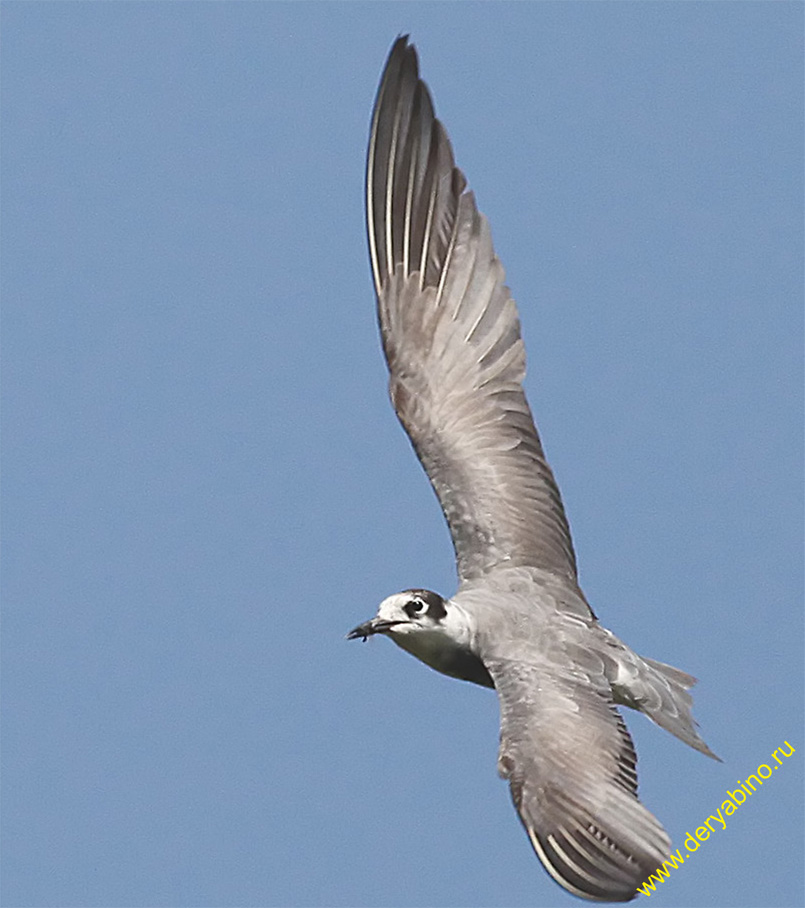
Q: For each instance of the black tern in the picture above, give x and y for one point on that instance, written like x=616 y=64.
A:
x=519 y=622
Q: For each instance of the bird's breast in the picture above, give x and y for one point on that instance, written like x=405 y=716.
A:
x=444 y=655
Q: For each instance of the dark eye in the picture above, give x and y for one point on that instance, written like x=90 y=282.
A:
x=415 y=608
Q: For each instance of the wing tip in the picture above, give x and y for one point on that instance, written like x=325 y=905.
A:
x=619 y=882
x=573 y=885
x=410 y=171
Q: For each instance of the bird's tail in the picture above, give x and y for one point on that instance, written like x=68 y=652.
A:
x=661 y=692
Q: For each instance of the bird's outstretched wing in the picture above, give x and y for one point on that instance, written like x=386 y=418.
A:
x=451 y=337
x=570 y=763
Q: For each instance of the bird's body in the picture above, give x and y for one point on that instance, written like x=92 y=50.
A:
x=519 y=621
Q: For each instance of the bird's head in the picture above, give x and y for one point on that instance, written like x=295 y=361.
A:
x=405 y=613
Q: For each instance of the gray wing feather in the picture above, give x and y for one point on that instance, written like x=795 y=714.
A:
x=451 y=338
x=570 y=763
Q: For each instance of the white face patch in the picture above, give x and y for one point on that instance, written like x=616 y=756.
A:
x=422 y=612
x=397 y=608
x=392 y=609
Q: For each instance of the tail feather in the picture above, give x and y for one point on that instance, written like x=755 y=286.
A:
x=674 y=674
x=659 y=691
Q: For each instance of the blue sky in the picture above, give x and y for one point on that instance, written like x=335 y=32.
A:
x=205 y=486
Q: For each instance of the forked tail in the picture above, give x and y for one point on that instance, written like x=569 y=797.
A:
x=661 y=692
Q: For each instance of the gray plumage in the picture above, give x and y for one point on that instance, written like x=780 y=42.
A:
x=519 y=621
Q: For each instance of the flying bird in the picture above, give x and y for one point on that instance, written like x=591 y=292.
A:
x=519 y=622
